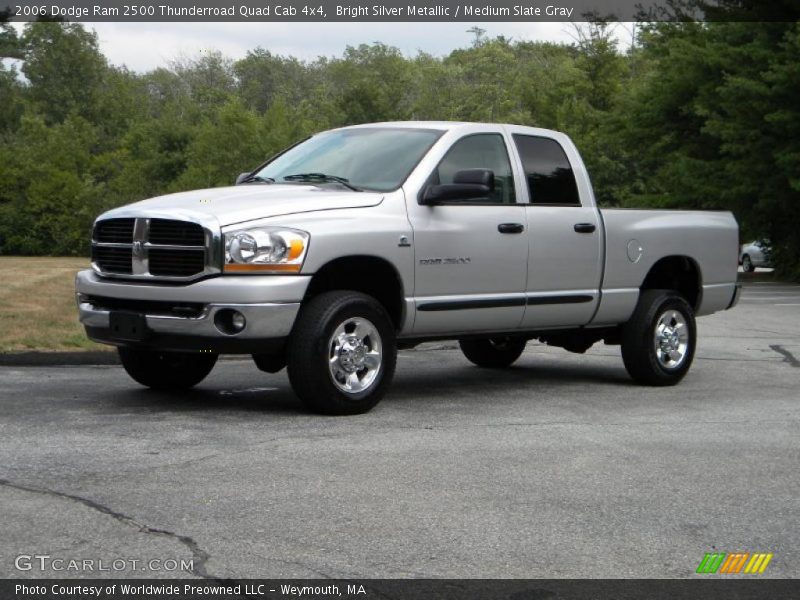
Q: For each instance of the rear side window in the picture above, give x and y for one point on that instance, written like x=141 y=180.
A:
x=547 y=171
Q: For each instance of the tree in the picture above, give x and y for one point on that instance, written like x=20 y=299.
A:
x=209 y=78
x=47 y=194
x=226 y=143
x=262 y=77
x=695 y=115
x=9 y=43
x=371 y=83
x=65 y=69
x=12 y=105
x=715 y=124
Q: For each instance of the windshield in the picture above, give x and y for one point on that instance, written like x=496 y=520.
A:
x=367 y=158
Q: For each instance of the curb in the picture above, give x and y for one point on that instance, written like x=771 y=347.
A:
x=58 y=359
x=75 y=359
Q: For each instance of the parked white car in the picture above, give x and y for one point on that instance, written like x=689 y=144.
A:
x=754 y=254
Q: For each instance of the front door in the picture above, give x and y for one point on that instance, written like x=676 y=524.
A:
x=471 y=257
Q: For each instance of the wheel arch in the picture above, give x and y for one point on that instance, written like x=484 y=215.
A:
x=677 y=272
x=375 y=276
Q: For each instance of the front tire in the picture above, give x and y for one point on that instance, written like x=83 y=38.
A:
x=166 y=370
x=342 y=353
x=747 y=264
x=658 y=342
x=493 y=353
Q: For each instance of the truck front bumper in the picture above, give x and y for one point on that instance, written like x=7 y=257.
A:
x=195 y=317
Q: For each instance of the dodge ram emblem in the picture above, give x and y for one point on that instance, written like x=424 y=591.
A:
x=138 y=249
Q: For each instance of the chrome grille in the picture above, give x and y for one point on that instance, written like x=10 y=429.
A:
x=153 y=248
x=114 y=230
x=177 y=233
x=177 y=263
x=113 y=260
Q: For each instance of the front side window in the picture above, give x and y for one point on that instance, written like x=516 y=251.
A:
x=481 y=151
x=547 y=171
x=377 y=159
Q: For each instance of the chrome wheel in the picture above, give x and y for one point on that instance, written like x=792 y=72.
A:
x=671 y=339
x=355 y=355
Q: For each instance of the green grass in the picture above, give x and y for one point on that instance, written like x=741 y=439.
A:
x=37 y=305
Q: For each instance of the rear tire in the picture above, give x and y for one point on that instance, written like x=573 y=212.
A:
x=166 y=370
x=341 y=353
x=658 y=341
x=493 y=353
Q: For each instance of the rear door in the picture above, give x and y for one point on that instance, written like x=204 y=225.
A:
x=565 y=234
x=471 y=257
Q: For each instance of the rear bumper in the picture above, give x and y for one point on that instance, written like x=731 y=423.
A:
x=737 y=292
x=718 y=296
x=269 y=306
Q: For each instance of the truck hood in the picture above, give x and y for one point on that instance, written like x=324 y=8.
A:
x=231 y=205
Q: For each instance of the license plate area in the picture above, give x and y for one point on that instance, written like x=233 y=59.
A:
x=128 y=326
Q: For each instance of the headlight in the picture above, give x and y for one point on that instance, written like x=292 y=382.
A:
x=265 y=250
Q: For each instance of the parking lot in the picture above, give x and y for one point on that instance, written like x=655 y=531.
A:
x=557 y=467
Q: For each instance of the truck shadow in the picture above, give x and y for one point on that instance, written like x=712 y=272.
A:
x=262 y=393
x=272 y=399
x=517 y=378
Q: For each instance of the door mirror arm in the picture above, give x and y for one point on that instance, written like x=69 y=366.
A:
x=447 y=193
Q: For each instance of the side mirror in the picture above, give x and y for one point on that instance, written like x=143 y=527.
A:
x=469 y=184
x=241 y=177
x=476 y=177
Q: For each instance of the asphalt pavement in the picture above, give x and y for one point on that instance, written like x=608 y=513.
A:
x=557 y=467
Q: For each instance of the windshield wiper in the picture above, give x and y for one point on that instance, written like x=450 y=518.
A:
x=322 y=177
x=257 y=179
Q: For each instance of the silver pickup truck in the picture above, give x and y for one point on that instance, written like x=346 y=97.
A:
x=358 y=241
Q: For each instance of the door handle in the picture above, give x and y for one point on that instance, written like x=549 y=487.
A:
x=511 y=228
x=585 y=227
